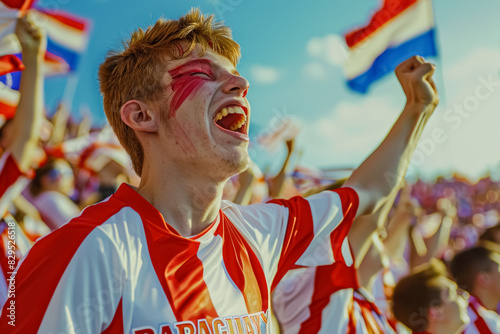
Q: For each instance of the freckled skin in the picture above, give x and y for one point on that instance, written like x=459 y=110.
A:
x=182 y=138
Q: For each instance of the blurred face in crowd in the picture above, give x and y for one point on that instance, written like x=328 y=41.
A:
x=60 y=178
x=206 y=112
x=5 y=135
x=452 y=313
x=493 y=276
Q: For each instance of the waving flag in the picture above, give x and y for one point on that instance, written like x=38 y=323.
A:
x=10 y=58
x=66 y=36
x=19 y=4
x=399 y=30
x=9 y=11
x=9 y=98
x=66 y=41
x=10 y=63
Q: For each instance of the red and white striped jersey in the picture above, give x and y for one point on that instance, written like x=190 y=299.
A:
x=482 y=320
x=326 y=299
x=119 y=267
x=369 y=319
x=316 y=299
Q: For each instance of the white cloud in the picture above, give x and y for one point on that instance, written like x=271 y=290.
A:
x=348 y=133
x=480 y=60
x=330 y=48
x=469 y=116
x=264 y=74
x=461 y=77
x=315 y=70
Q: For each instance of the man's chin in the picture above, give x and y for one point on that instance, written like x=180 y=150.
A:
x=241 y=164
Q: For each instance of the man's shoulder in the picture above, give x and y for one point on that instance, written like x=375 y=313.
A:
x=491 y=319
x=108 y=221
x=101 y=232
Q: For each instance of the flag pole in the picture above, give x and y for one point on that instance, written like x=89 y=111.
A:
x=442 y=86
x=70 y=89
x=439 y=61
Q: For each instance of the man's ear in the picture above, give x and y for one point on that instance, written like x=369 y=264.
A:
x=483 y=279
x=139 y=117
x=436 y=313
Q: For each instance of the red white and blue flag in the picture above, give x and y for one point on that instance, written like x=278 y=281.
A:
x=10 y=10
x=66 y=36
x=399 y=30
x=66 y=41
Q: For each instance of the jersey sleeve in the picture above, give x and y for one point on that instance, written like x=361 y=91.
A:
x=302 y=231
x=71 y=281
x=491 y=319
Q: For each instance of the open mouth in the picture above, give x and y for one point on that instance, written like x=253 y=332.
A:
x=232 y=118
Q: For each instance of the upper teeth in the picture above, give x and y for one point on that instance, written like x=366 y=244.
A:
x=229 y=110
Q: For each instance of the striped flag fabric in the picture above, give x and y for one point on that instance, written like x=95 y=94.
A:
x=9 y=98
x=10 y=63
x=396 y=32
x=10 y=10
x=19 y=4
x=66 y=36
x=9 y=80
x=66 y=41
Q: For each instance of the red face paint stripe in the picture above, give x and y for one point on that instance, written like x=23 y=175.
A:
x=180 y=49
x=184 y=83
x=243 y=267
x=202 y=65
x=180 y=273
x=181 y=89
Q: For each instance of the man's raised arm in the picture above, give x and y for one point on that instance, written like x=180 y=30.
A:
x=384 y=169
x=27 y=121
x=379 y=175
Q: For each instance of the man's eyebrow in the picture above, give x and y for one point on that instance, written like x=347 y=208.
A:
x=192 y=63
x=236 y=72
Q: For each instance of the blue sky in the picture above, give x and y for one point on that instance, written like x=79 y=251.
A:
x=287 y=58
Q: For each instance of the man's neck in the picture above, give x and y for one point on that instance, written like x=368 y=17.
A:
x=486 y=299
x=188 y=202
x=441 y=328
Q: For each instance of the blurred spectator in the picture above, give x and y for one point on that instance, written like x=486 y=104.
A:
x=491 y=234
x=477 y=270
x=50 y=190
x=428 y=302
